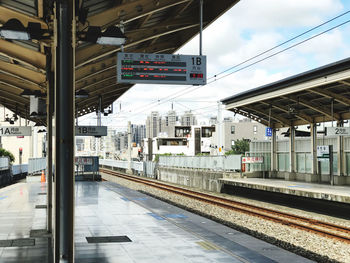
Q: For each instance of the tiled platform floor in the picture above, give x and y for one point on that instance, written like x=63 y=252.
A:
x=160 y=233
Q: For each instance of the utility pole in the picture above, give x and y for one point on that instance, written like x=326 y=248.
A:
x=219 y=132
x=129 y=148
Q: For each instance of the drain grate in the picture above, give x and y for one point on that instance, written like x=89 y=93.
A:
x=41 y=206
x=20 y=242
x=39 y=233
x=108 y=239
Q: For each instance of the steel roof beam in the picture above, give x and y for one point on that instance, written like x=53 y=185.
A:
x=22 y=73
x=286 y=110
x=18 y=83
x=26 y=56
x=94 y=52
x=130 y=11
x=259 y=112
x=330 y=94
x=315 y=107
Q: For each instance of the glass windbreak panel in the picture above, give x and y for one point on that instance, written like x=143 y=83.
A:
x=308 y=163
x=300 y=158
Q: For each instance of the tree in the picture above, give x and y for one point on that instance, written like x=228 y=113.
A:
x=4 y=152
x=240 y=147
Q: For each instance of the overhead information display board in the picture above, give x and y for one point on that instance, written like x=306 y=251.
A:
x=15 y=130
x=161 y=69
x=90 y=130
x=340 y=131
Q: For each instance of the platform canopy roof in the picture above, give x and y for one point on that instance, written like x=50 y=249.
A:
x=315 y=96
x=151 y=26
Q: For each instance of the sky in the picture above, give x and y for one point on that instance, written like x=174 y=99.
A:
x=246 y=30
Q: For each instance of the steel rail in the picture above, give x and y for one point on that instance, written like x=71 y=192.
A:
x=326 y=229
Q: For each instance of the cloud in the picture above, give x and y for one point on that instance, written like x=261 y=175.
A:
x=250 y=27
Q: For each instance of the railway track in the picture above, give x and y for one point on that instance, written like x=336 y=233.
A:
x=325 y=229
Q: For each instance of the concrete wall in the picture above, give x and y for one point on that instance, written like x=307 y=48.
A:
x=202 y=179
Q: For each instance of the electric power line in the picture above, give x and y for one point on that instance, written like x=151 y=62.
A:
x=279 y=52
x=279 y=45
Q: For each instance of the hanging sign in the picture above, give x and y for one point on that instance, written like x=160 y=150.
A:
x=90 y=130
x=161 y=69
x=15 y=130
x=340 y=131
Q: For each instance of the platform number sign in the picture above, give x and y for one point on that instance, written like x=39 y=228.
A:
x=161 y=69
x=337 y=131
x=90 y=130
x=15 y=131
x=268 y=132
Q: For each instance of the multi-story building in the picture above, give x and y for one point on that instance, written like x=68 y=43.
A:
x=243 y=129
x=153 y=125
x=138 y=133
x=188 y=119
x=168 y=123
x=121 y=141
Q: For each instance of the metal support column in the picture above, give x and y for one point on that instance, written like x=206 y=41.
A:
x=64 y=164
x=49 y=154
x=314 y=165
x=340 y=152
x=273 y=167
x=200 y=26
x=292 y=149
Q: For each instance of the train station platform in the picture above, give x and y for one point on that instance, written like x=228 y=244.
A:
x=117 y=224
x=309 y=190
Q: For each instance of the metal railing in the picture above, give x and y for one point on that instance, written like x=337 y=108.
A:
x=137 y=166
x=36 y=165
x=19 y=169
x=149 y=168
x=4 y=163
x=224 y=162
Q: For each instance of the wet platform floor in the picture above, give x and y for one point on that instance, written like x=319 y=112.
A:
x=133 y=228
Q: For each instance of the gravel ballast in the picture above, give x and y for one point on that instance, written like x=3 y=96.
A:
x=307 y=244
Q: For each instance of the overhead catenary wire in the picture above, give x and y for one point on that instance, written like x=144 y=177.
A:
x=187 y=90
x=193 y=88
x=279 y=45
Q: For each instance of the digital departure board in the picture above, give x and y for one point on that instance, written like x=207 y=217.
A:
x=161 y=69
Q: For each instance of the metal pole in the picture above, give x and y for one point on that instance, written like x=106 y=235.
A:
x=49 y=154
x=200 y=26
x=273 y=167
x=129 y=147
x=65 y=130
x=314 y=164
x=331 y=173
x=219 y=141
x=292 y=149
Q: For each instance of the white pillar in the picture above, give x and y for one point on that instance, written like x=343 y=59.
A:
x=340 y=152
x=273 y=167
x=292 y=150
x=219 y=132
x=313 y=128
x=129 y=148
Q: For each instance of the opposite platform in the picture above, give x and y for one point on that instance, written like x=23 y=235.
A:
x=310 y=190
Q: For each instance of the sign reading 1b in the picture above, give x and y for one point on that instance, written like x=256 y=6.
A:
x=161 y=69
